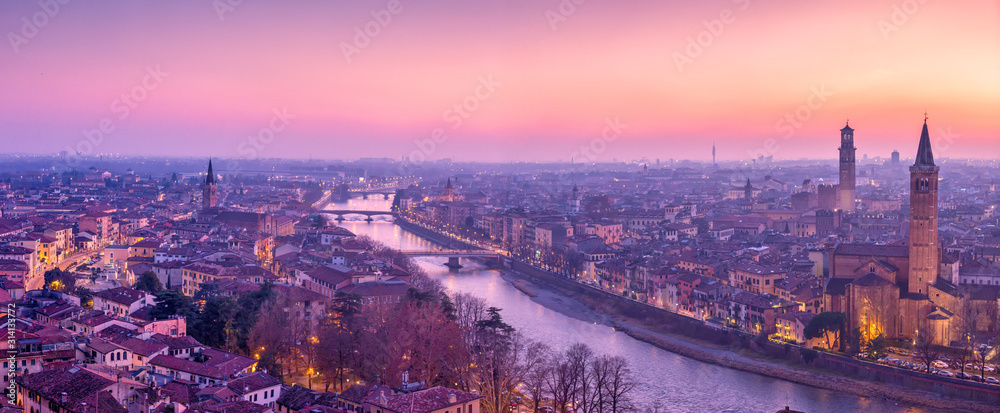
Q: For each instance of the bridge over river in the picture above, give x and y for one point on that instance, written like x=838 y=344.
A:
x=341 y=213
x=455 y=256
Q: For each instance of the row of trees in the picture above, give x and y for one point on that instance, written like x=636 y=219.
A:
x=456 y=341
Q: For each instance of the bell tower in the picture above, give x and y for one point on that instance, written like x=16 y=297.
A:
x=209 y=191
x=846 y=189
x=924 y=253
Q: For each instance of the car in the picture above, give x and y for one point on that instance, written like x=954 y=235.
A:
x=989 y=369
x=945 y=373
x=977 y=378
x=969 y=366
x=963 y=375
x=992 y=380
x=939 y=364
x=944 y=357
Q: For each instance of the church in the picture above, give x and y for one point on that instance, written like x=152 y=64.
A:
x=898 y=289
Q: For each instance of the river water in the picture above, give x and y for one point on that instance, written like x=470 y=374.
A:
x=681 y=383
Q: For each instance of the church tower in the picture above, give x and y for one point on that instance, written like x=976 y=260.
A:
x=924 y=253
x=209 y=191
x=748 y=190
x=846 y=190
x=449 y=192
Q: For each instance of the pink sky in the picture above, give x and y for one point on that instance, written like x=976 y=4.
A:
x=553 y=90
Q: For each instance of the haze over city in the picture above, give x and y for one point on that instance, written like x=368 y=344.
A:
x=533 y=80
x=500 y=206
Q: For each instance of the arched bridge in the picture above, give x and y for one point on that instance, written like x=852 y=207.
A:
x=455 y=256
x=341 y=213
x=450 y=253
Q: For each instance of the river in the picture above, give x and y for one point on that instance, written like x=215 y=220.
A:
x=681 y=383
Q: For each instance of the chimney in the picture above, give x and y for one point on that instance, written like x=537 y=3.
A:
x=63 y=398
x=452 y=398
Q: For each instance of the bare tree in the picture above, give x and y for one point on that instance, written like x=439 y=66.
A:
x=980 y=354
x=503 y=358
x=924 y=349
x=579 y=356
x=561 y=383
x=535 y=381
x=655 y=407
x=619 y=386
x=469 y=310
x=963 y=354
x=273 y=340
x=600 y=373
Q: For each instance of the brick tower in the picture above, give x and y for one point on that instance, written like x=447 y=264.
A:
x=846 y=189
x=209 y=192
x=924 y=253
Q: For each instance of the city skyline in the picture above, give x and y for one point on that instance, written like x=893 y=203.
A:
x=589 y=81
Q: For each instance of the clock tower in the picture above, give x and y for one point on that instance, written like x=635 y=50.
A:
x=847 y=193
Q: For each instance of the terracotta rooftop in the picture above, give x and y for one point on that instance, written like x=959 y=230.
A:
x=253 y=382
x=78 y=385
x=424 y=401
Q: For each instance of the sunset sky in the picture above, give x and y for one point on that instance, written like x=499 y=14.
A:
x=550 y=78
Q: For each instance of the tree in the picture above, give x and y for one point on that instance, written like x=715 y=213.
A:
x=619 y=386
x=561 y=384
x=535 y=389
x=702 y=224
x=272 y=339
x=215 y=321
x=827 y=325
x=430 y=345
x=337 y=344
x=469 y=310
x=346 y=305
x=148 y=282
x=981 y=355
x=86 y=297
x=579 y=356
x=170 y=303
x=963 y=354
x=59 y=280
x=924 y=349
x=503 y=357
x=655 y=407
x=875 y=347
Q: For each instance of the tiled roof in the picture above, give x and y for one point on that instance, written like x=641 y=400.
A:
x=220 y=365
x=121 y=295
x=873 y=250
x=253 y=382
x=79 y=386
x=424 y=401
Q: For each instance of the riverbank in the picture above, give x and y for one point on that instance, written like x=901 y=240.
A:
x=432 y=236
x=739 y=358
